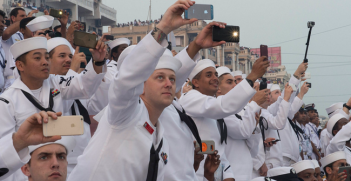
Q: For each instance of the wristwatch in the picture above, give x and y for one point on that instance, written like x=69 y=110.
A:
x=99 y=63
x=348 y=107
x=250 y=82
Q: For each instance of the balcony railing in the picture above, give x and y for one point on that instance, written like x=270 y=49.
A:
x=108 y=12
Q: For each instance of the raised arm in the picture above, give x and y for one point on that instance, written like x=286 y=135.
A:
x=200 y=105
x=128 y=85
x=339 y=140
x=9 y=31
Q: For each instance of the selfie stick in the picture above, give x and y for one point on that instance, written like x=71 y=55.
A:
x=305 y=60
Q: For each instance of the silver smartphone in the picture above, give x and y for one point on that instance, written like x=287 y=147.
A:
x=208 y=147
x=200 y=12
x=347 y=171
x=64 y=126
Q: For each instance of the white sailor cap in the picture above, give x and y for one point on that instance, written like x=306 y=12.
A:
x=119 y=41
x=303 y=165
x=332 y=109
x=315 y=163
x=237 y=73
x=21 y=47
x=68 y=142
x=57 y=41
x=333 y=157
x=262 y=179
x=168 y=62
x=283 y=174
x=168 y=52
x=41 y=22
x=332 y=121
x=275 y=87
x=244 y=76
x=269 y=86
x=201 y=65
x=123 y=55
x=223 y=70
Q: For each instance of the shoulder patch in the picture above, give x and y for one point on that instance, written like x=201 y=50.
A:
x=4 y=100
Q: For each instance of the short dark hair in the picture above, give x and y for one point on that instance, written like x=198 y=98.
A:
x=56 y=27
x=114 y=50
x=25 y=21
x=197 y=77
x=2 y=13
x=22 y=57
x=14 y=12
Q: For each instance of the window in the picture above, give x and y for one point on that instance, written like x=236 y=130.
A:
x=131 y=39
x=180 y=41
x=138 y=39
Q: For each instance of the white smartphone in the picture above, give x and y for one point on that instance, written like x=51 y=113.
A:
x=200 y=12
x=307 y=75
x=293 y=87
x=64 y=126
x=208 y=147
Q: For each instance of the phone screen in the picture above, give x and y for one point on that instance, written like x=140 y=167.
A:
x=228 y=34
x=200 y=11
x=264 y=50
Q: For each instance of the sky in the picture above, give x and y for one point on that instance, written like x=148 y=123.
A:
x=275 y=23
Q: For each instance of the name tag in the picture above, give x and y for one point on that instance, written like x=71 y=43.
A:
x=148 y=127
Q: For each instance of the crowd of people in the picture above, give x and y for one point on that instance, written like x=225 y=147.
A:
x=161 y=115
x=139 y=23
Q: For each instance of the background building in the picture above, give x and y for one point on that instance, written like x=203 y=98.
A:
x=93 y=12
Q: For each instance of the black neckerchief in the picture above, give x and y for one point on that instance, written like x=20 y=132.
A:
x=82 y=110
x=153 y=163
x=38 y=105
x=222 y=130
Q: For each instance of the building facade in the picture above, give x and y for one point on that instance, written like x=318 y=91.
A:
x=93 y=12
x=229 y=54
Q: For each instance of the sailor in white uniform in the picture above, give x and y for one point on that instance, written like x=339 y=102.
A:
x=116 y=47
x=3 y=61
x=10 y=36
x=64 y=63
x=283 y=174
x=14 y=152
x=340 y=128
x=312 y=130
x=305 y=170
x=331 y=111
x=37 y=90
x=240 y=128
x=331 y=163
x=129 y=143
x=205 y=109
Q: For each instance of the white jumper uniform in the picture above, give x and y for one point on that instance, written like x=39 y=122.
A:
x=205 y=110
x=120 y=147
x=16 y=108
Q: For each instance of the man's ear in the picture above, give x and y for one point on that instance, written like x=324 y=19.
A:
x=20 y=65
x=329 y=170
x=195 y=83
x=25 y=170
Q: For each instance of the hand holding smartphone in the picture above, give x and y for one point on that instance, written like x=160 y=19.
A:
x=227 y=34
x=264 y=50
x=200 y=12
x=64 y=126
x=55 y=13
x=84 y=39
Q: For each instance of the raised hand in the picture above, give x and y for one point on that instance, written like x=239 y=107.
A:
x=173 y=19
x=287 y=92
x=30 y=14
x=204 y=38
x=77 y=59
x=99 y=52
x=31 y=131
x=64 y=19
x=259 y=68
x=261 y=96
x=300 y=70
x=197 y=157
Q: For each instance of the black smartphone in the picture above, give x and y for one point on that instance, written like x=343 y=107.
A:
x=228 y=34
x=84 y=39
x=7 y=23
x=263 y=84
x=55 y=13
x=109 y=37
x=309 y=85
x=274 y=141
x=264 y=50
